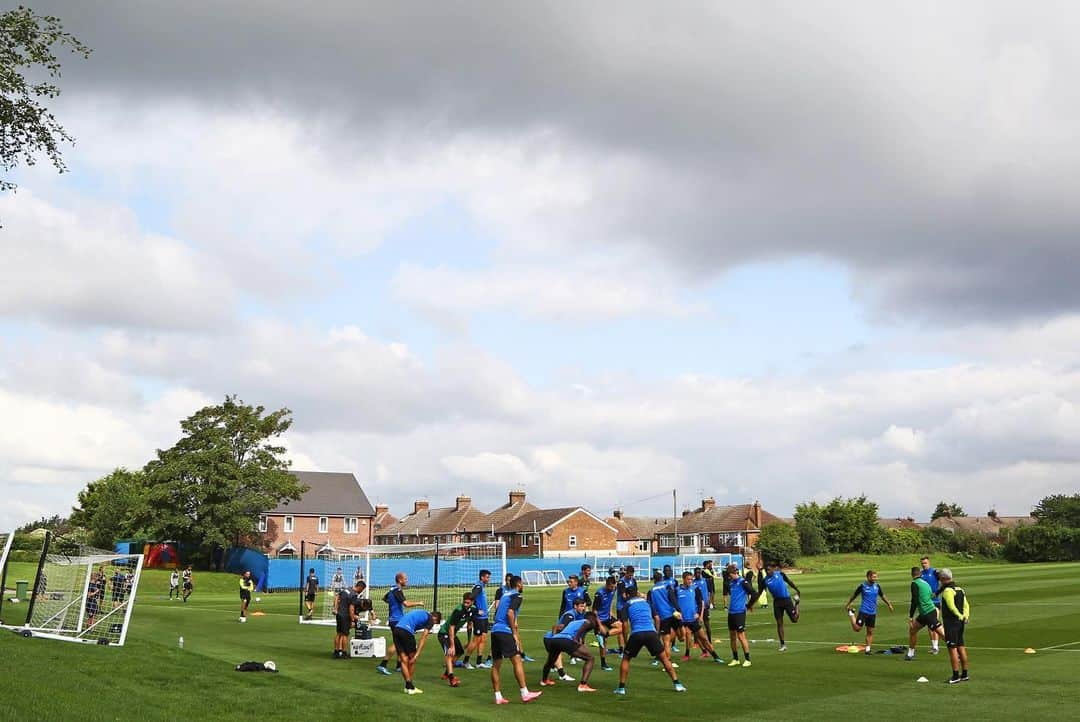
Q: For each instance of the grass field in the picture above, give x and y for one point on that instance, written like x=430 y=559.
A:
x=1013 y=607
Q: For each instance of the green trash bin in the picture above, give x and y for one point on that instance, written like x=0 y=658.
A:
x=21 y=590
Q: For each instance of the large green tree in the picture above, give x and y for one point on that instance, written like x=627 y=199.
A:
x=778 y=542
x=1059 y=509
x=28 y=69
x=210 y=487
x=943 y=509
x=110 y=507
x=843 y=525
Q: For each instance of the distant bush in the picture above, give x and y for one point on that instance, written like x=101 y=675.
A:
x=1043 y=543
x=778 y=543
x=897 y=541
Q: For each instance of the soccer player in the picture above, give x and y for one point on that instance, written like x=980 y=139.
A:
x=408 y=650
x=870 y=591
x=704 y=584
x=626 y=588
x=395 y=600
x=665 y=610
x=585 y=580
x=929 y=575
x=690 y=604
x=479 y=620
x=95 y=595
x=188 y=584
x=570 y=640
x=462 y=616
x=247 y=586
x=572 y=592
x=642 y=633
x=338 y=582
x=506 y=643
x=763 y=598
x=602 y=603
x=955 y=612
x=741 y=597
x=922 y=600
x=776 y=582
x=174 y=584
x=311 y=588
x=345 y=617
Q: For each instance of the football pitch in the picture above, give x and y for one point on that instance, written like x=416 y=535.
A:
x=1013 y=607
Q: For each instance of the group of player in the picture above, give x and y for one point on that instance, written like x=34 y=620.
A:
x=99 y=595
x=175 y=581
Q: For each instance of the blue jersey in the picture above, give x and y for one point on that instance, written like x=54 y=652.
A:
x=479 y=595
x=602 y=603
x=660 y=600
x=930 y=577
x=509 y=600
x=628 y=584
x=703 y=586
x=414 y=621
x=572 y=631
x=395 y=599
x=640 y=615
x=569 y=596
x=739 y=596
x=689 y=601
x=777 y=585
x=870 y=593
x=671 y=582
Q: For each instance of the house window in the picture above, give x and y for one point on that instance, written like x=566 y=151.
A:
x=732 y=539
x=351 y=525
x=688 y=541
x=644 y=545
x=262 y=523
x=667 y=540
x=288 y=526
x=324 y=524
x=572 y=541
x=526 y=540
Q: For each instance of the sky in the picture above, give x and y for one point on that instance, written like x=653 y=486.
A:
x=756 y=251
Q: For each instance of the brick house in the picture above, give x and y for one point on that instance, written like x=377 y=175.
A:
x=333 y=512
x=636 y=534
x=383 y=517
x=712 y=529
x=994 y=526
x=426 y=525
x=508 y=512
x=557 y=532
x=899 y=523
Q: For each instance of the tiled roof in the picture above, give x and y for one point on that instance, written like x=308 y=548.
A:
x=543 y=519
x=504 y=515
x=899 y=523
x=434 y=521
x=984 y=524
x=634 y=528
x=329 y=494
x=384 y=520
x=739 y=517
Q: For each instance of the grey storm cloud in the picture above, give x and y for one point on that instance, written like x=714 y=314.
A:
x=931 y=149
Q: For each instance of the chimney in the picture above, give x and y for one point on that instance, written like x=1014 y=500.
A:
x=419 y=505
x=686 y=512
x=462 y=502
x=708 y=503
x=757 y=514
x=617 y=513
x=517 y=497
x=381 y=509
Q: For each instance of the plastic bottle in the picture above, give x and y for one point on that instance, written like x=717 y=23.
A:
x=180 y=643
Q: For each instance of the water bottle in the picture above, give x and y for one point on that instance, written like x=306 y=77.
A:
x=180 y=643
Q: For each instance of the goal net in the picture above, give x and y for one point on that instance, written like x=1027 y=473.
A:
x=689 y=562
x=543 y=577
x=81 y=594
x=437 y=575
x=604 y=567
x=5 y=547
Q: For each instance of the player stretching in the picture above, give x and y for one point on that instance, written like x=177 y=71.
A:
x=247 y=586
x=703 y=584
x=870 y=591
x=418 y=620
x=506 y=643
x=311 y=588
x=602 y=602
x=626 y=588
x=741 y=598
x=922 y=601
x=479 y=620
x=395 y=600
x=777 y=583
x=570 y=640
x=460 y=618
x=691 y=607
x=642 y=633
x=665 y=612
x=955 y=612
x=930 y=576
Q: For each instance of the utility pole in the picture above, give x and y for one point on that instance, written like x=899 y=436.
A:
x=675 y=516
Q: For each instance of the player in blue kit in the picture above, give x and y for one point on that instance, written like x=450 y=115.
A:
x=741 y=597
x=480 y=619
x=871 y=592
x=570 y=640
x=398 y=605
x=774 y=579
x=930 y=576
x=703 y=584
x=625 y=588
x=641 y=633
x=665 y=610
x=602 y=604
x=572 y=592
x=691 y=604
x=506 y=642
x=408 y=625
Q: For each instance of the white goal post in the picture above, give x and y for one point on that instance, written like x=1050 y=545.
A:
x=438 y=575
x=543 y=577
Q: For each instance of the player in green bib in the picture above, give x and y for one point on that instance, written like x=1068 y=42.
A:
x=459 y=619
x=922 y=603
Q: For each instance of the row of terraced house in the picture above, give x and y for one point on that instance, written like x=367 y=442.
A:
x=336 y=514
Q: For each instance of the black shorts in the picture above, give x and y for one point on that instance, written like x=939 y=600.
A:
x=444 y=640
x=648 y=640
x=404 y=641
x=503 y=646
x=954 y=634
x=622 y=615
x=187 y=586
x=309 y=597
x=694 y=627
x=930 y=621
x=671 y=624
x=480 y=625
x=245 y=595
x=866 y=620
x=344 y=624
x=607 y=623
x=555 y=645
x=91 y=609
x=782 y=606
x=736 y=622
